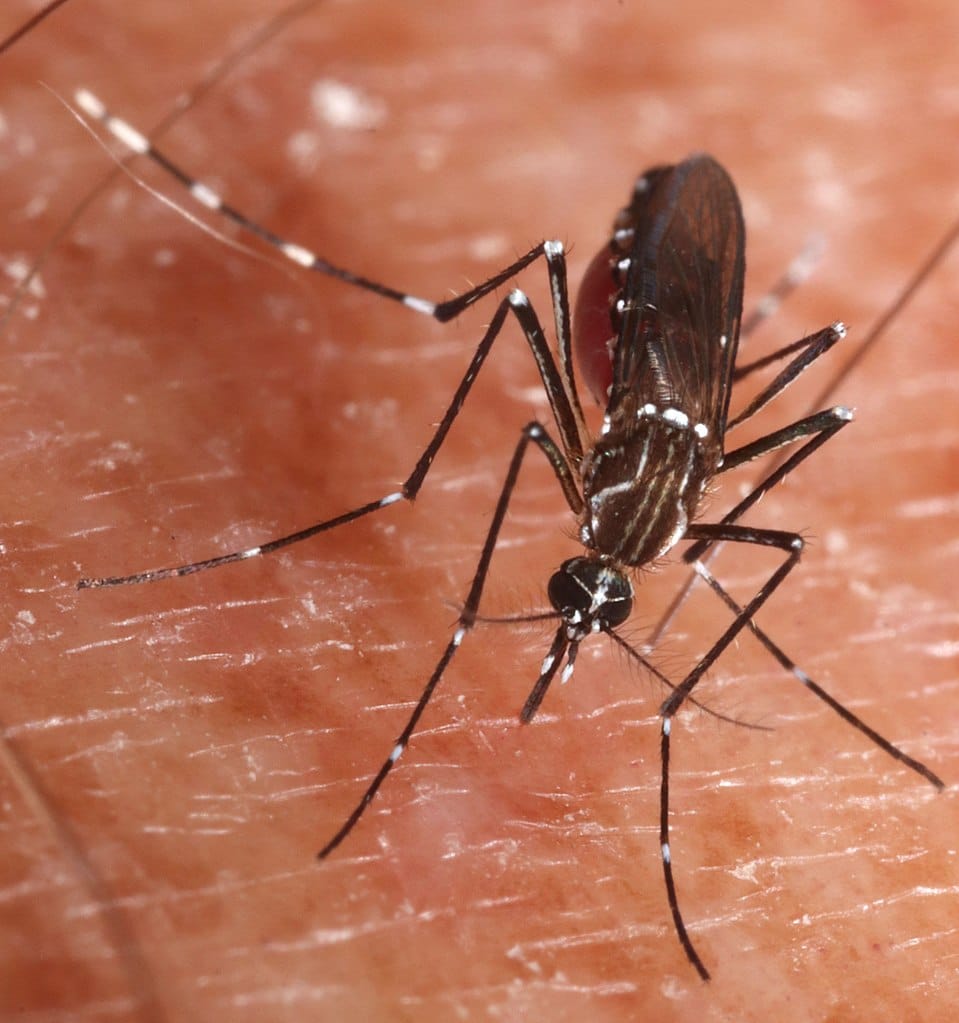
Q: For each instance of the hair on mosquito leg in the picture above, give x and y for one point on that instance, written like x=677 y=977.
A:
x=654 y=340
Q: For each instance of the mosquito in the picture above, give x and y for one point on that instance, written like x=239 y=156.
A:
x=655 y=337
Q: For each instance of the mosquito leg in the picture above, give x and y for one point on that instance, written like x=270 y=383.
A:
x=519 y=305
x=820 y=427
x=557 y=381
x=559 y=290
x=790 y=665
x=261 y=35
x=665 y=682
x=744 y=617
x=443 y=312
x=303 y=257
x=207 y=197
x=810 y=349
x=563 y=414
x=765 y=444
x=797 y=272
x=532 y=432
x=30 y=24
x=691 y=954
x=790 y=543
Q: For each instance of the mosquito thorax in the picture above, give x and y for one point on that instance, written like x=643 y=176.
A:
x=642 y=482
x=591 y=594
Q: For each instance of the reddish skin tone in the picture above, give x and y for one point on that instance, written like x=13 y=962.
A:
x=180 y=751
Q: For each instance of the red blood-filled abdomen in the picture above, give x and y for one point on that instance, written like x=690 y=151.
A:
x=592 y=331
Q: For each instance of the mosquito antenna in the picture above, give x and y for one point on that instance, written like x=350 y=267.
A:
x=648 y=665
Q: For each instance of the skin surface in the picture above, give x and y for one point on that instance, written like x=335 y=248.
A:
x=175 y=754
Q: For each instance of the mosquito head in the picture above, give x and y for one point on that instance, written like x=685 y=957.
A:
x=591 y=595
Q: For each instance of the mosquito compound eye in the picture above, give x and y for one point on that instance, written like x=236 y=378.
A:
x=617 y=608
x=567 y=595
x=585 y=590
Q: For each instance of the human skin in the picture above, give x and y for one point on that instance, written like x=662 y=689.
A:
x=175 y=754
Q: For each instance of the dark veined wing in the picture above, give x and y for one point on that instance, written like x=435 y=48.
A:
x=683 y=294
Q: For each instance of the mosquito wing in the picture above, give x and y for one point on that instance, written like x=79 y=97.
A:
x=683 y=294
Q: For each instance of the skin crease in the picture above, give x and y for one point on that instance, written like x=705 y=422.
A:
x=175 y=754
